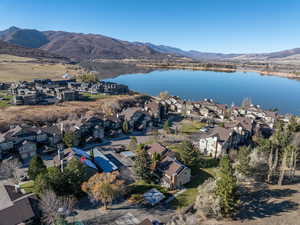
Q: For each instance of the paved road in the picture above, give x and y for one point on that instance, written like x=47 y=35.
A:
x=98 y=216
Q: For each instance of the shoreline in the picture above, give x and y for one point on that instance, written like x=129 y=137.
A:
x=228 y=70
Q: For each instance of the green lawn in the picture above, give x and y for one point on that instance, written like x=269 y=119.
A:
x=28 y=187
x=141 y=187
x=93 y=97
x=6 y=99
x=174 y=147
x=189 y=126
x=4 y=104
x=186 y=198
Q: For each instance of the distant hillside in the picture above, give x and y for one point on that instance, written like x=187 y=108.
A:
x=291 y=55
x=190 y=54
x=78 y=46
x=91 y=46
x=24 y=37
x=6 y=33
x=16 y=50
x=270 y=56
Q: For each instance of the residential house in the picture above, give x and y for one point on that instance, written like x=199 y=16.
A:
x=270 y=118
x=136 y=118
x=27 y=150
x=4 y=86
x=174 y=173
x=54 y=135
x=216 y=142
x=46 y=91
x=158 y=149
x=219 y=140
x=244 y=129
x=156 y=110
x=17 y=208
x=174 y=104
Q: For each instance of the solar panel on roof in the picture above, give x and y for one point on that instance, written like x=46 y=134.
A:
x=100 y=159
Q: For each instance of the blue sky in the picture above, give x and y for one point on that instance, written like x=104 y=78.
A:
x=229 y=26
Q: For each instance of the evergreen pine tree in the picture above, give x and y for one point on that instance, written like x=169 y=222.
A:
x=243 y=166
x=142 y=164
x=41 y=183
x=92 y=155
x=166 y=127
x=125 y=127
x=76 y=173
x=189 y=155
x=226 y=187
x=69 y=138
x=36 y=167
x=154 y=161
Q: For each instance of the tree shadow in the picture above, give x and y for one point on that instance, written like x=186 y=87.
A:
x=260 y=204
x=86 y=204
x=198 y=178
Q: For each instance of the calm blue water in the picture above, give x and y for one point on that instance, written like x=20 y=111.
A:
x=268 y=91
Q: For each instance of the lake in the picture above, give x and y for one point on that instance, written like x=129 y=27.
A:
x=230 y=88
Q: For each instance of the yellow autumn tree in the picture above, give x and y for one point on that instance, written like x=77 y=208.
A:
x=104 y=187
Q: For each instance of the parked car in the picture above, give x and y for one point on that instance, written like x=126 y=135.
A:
x=23 y=178
x=204 y=129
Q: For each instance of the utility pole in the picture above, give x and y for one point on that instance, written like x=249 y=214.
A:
x=60 y=152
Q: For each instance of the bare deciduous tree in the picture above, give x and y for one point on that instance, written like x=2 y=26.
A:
x=246 y=102
x=164 y=95
x=54 y=206
x=288 y=163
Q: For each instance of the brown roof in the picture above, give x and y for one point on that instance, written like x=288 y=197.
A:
x=154 y=106
x=129 y=112
x=52 y=130
x=271 y=114
x=244 y=122
x=156 y=147
x=171 y=166
x=146 y=222
x=18 y=213
x=221 y=132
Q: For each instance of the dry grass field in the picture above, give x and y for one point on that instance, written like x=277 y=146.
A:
x=14 y=68
x=50 y=113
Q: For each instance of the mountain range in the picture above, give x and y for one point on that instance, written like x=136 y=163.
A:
x=16 y=50
x=80 y=47
x=77 y=46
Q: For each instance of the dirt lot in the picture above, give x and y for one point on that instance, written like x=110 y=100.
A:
x=14 y=68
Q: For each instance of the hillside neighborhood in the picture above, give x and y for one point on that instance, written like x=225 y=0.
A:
x=155 y=130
